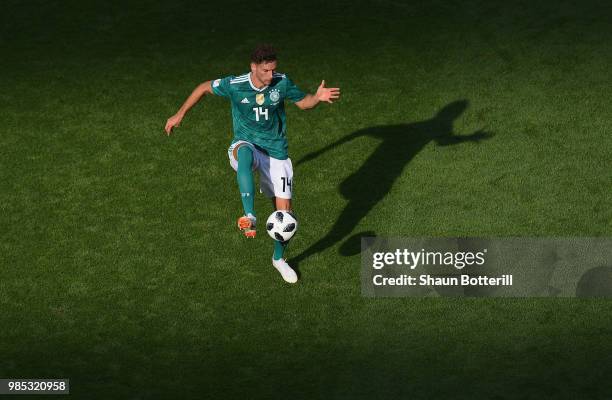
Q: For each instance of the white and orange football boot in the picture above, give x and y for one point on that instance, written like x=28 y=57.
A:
x=247 y=225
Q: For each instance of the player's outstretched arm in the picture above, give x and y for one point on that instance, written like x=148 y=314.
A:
x=193 y=98
x=323 y=94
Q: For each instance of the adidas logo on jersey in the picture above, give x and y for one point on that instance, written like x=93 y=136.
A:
x=245 y=101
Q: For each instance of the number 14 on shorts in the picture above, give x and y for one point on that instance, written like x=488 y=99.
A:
x=286 y=183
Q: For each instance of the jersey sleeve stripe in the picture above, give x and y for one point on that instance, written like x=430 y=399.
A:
x=241 y=77
x=238 y=81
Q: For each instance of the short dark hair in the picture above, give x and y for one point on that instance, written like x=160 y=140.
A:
x=263 y=53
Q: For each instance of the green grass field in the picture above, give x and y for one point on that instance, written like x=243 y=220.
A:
x=122 y=270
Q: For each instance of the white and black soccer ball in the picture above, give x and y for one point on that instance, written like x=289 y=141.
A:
x=281 y=225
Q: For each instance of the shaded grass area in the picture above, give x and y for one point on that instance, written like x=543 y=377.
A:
x=121 y=267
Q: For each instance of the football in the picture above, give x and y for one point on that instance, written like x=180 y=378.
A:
x=281 y=225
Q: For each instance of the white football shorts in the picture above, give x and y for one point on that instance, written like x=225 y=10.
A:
x=275 y=176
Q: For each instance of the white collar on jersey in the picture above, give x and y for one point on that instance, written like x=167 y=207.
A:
x=253 y=86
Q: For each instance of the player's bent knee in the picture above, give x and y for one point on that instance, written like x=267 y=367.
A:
x=244 y=155
x=282 y=204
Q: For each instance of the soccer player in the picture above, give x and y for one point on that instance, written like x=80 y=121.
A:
x=260 y=135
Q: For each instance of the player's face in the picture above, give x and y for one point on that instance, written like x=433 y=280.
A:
x=263 y=71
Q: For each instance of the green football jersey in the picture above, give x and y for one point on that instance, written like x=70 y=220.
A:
x=258 y=115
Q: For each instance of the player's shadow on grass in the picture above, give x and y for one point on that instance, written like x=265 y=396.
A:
x=364 y=188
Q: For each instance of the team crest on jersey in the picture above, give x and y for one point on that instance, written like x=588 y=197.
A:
x=274 y=95
x=259 y=98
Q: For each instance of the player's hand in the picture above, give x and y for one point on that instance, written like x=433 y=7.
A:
x=172 y=122
x=327 y=94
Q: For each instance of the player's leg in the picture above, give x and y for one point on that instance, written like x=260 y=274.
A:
x=277 y=181
x=246 y=181
x=283 y=205
x=243 y=156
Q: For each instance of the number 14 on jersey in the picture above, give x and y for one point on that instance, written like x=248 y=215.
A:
x=260 y=111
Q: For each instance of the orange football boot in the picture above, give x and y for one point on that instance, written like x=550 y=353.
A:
x=247 y=226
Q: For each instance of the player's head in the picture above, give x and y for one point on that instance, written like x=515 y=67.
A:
x=263 y=63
